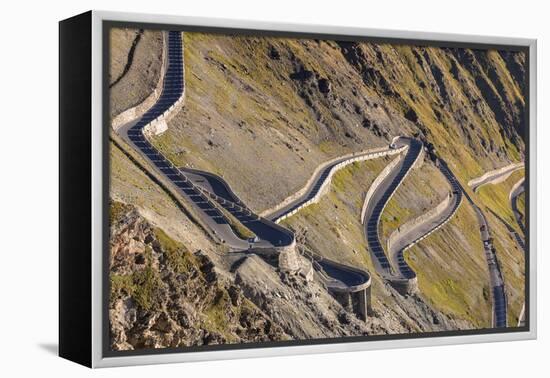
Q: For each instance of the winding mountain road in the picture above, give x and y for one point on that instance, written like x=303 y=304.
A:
x=210 y=193
x=418 y=229
x=207 y=191
x=497 y=282
x=335 y=276
x=495 y=275
x=378 y=202
x=268 y=234
x=173 y=89
x=321 y=179
x=500 y=303
x=494 y=176
x=516 y=191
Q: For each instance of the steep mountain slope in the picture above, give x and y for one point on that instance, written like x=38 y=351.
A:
x=494 y=197
x=292 y=104
x=167 y=294
x=452 y=270
x=466 y=102
x=264 y=113
x=164 y=296
x=332 y=228
x=286 y=103
x=134 y=70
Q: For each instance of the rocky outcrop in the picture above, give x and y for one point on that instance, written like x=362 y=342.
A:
x=302 y=308
x=289 y=259
x=163 y=295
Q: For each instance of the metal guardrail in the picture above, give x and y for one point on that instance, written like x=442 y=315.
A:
x=241 y=205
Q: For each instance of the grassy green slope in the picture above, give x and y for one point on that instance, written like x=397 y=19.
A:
x=496 y=198
x=334 y=229
x=452 y=271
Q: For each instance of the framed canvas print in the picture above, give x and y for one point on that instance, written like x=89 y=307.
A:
x=233 y=189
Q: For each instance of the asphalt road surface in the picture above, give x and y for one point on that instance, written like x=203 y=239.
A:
x=268 y=233
x=495 y=275
x=520 y=219
x=514 y=197
x=341 y=277
x=173 y=87
x=379 y=200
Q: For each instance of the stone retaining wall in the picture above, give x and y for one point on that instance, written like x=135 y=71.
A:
x=289 y=258
x=515 y=187
x=375 y=184
x=410 y=285
x=384 y=174
x=160 y=124
x=356 y=156
x=359 y=301
x=405 y=286
x=419 y=159
x=324 y=188
x=434 y=212
x=435 y=228
x=474 y=183
x=354 y=298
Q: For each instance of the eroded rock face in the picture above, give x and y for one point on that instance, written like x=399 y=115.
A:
x=302 y=308
x=163 y=295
